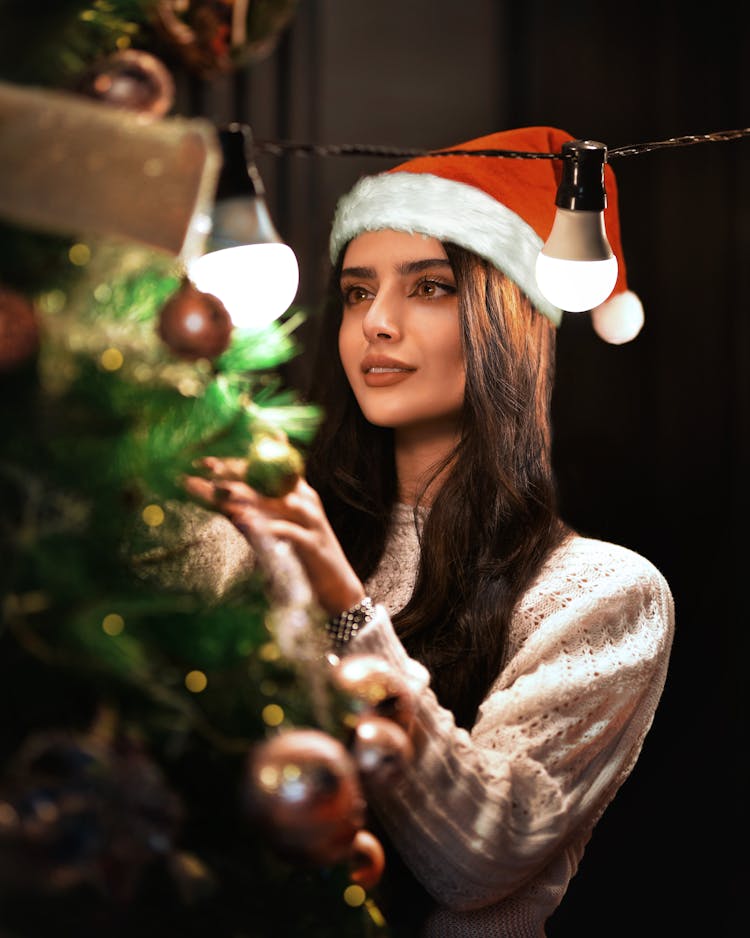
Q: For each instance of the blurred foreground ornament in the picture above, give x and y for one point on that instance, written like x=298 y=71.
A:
x=303 y=791
x=374 y=688
x=215 y=36
x=381 y=749
x=19 y=330
x=83 y=809
x=273 y=466
x=131 y=79
x=73 y=166
x=195 y=325
x=366 y=860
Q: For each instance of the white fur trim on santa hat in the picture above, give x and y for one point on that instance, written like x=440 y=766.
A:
x=618 y=319
x=449 y=211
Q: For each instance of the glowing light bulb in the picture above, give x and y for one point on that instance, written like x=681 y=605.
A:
x=248 y=267
x=255 y=282
x=576 y=269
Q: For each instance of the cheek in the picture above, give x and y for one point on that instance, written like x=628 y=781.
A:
x=448 y=351
x=348 y=349
x=454 y=365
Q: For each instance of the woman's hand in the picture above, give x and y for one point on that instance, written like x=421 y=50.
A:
x=297 y=518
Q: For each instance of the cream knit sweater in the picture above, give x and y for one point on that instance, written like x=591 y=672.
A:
x=494 y=822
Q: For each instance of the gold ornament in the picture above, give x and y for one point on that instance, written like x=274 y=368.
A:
x=273 y=466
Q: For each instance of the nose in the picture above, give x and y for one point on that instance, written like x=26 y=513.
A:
x=382 y=320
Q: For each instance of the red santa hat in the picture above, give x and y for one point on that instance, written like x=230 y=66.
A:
x=501 y=208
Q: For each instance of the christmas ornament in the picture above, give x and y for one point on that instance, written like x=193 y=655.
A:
x=373 y=687
x=367 y=860
x=381 y=749
x=19 y=330
x=214 y=36
x=273 y=466
x=131 y=79
x=303 y=792
x=80 y=809
x=195 y=325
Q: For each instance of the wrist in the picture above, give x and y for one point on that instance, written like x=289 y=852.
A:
x=341 y=629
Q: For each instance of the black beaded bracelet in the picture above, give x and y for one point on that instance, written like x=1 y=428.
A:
x=342 y=628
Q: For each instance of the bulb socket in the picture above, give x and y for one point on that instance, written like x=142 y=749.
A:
x=239 y=175
x=582 y=185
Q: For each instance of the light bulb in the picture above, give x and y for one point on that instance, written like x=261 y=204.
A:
x=576 y=269
x=255 y=282
x=248 y=267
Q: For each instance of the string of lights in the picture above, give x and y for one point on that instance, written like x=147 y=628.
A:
x=576 y=268
x=297 y=148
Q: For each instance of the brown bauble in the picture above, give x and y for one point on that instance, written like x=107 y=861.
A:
x=381 y=749
x=374 y=687
x=19 y=330
x=195 y=325
x=302 y=789
x=367 y=860
x=212 y=37
x=131 y=79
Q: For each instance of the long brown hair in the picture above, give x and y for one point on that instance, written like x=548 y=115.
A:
x=494 y=518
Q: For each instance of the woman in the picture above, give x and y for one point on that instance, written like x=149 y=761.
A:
x=428 y=530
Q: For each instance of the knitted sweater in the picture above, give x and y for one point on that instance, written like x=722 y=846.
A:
x=493 y=822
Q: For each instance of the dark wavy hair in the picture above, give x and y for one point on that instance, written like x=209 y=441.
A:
x=494 y=518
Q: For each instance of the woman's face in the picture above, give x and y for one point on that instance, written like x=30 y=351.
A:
x=399 y=339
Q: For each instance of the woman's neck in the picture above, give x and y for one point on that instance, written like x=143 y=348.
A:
x=418 y=452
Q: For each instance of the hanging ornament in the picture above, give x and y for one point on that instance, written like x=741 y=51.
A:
x=195 y=325
x=381 y=749
x=273 y=466
x=131 y=79
x=373 y=687
x=366 y=860
x=81 y=809
x=303 y=791
x=19 y=330
x=214 y=36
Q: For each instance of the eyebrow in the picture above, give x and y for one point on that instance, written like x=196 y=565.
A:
x=407 y=267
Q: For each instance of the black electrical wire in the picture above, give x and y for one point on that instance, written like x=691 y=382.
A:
x=297 y=148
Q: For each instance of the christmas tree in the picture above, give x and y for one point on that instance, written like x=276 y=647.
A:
x=143 y=665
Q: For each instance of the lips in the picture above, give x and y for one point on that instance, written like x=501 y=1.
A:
x=381 y=371
x=380 y=364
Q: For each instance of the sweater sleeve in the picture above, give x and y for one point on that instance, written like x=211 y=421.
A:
x=476 y=815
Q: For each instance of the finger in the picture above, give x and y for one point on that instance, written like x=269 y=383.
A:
x=200 y=488
x=226 y=468
x=284 y=530
x=235 y=492
x=221 y=495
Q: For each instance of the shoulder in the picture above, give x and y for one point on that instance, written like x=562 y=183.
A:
x=583 y=564
x=603 y=585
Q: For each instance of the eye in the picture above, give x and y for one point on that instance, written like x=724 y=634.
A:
x=352 y=295
x=431 y=289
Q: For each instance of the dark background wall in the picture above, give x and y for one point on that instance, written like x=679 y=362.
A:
x=652 y=437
